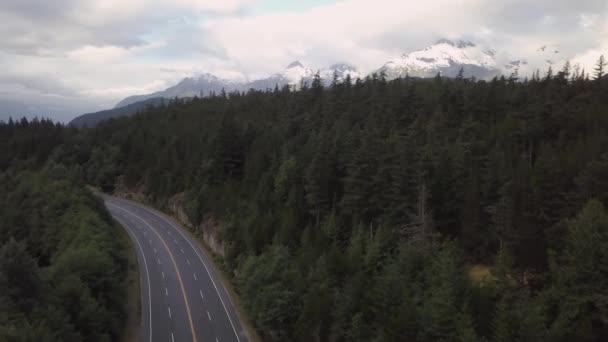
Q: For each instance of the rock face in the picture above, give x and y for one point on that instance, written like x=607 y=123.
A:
x=208 y=230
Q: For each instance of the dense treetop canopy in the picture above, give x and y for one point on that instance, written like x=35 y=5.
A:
x=356 y=212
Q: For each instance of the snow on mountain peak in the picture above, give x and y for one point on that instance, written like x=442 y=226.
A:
x=538 y=60
x=445 y=57
x=550 y=49
x=341 y=71
x=342 y=67
x=295 y=72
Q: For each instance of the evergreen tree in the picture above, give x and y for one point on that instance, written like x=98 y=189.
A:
x=600 y=67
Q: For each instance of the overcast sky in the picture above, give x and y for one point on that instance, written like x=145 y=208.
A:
x=73 y=56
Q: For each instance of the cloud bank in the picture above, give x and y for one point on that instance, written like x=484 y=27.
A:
x=84 y=55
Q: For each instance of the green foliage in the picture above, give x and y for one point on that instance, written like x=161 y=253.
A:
x=354 y=212
x=580 y=289
x=62 y=270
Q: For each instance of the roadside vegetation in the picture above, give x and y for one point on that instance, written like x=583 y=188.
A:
x=62 y=267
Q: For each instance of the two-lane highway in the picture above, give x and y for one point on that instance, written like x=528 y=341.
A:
x=183 y=298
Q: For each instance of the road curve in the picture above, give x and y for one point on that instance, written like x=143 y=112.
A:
x=182 y=297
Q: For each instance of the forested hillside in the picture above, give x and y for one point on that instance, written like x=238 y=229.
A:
x=410 y=210
x=62 y=263
x=355 y=212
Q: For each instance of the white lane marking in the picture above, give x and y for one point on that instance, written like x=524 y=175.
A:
x=158 y=261
x=208 y=273
x=169 y=308
x=201 y=292
x=175 y=241
x=166 y=292
x=163 y=274
x=216 y=340
x=155 y=251
x=194 y=274
x=181 y=250
x=150 y=241
x=147 y=273
x=172 y=338
x=176 y=269
x=208 y=315
x=161 y=216
x=188 y=261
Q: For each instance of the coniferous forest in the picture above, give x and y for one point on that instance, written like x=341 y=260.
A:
x=63 y=263
x=371 y=210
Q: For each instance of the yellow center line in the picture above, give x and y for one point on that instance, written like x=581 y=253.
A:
x=179 y=277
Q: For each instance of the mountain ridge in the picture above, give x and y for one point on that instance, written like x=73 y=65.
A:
x=445 y=57
x=92 y=119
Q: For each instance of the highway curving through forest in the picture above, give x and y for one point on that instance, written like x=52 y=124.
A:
x=182 y=297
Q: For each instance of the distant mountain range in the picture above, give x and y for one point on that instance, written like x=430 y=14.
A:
x=204 y=84
x=445 y=57
x=92 y=119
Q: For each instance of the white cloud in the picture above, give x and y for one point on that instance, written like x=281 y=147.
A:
x=93 y=53
x=367 y=33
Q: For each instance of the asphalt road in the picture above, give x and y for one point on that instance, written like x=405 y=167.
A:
x=182 y=297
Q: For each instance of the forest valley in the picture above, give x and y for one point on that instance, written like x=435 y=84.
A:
x=410 y=210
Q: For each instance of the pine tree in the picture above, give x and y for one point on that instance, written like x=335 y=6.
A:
x=564 y=74
x=581 y=276
x=600 y=67
x=460 y=75
x=503 y=323
x=549 y=74
x=19 y=275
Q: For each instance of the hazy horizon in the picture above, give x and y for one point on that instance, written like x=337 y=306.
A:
x=69 y=57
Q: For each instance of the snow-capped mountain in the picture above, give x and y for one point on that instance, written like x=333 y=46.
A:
x=292 y=75
x=295 y=72
x=187 y=87
x=341 y=72
x=445 y=57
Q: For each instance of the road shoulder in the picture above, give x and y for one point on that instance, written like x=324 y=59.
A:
x=246 y=325
x=232 y=296
x=133 y=304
